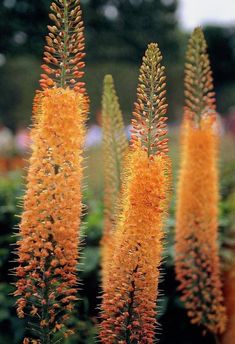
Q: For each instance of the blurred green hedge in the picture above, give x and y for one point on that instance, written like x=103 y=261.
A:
x=20 y=75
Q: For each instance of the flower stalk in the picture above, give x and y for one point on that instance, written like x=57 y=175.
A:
x=197 y=259
x=48 y=244
x=129 y=302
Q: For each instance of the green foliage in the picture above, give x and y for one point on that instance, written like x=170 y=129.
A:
x=11 y=328
x=228 y=215
x=18 y=81
x=10 y=192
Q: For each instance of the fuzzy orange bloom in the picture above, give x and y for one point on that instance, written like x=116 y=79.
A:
x=197 y=260
x=129 y=302
x=129 y=307
x=48 y=245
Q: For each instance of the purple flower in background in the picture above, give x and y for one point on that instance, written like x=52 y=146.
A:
x=94 y=136
x=22 y=140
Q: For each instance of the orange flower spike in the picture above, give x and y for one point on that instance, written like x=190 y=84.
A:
x=115 y=146
x=197 y=260
x=64 y=52
x=129 y=302
x=48 y=245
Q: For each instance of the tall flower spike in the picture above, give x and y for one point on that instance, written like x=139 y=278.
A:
x=114 y=149
x=129 y=301
x=64 y=51
x=48 y=245
x=197 y=260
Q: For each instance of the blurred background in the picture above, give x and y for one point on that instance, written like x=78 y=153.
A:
x=117 y=33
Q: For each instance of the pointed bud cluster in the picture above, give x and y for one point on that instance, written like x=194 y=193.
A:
x=64 y=50
x=199 y=90
x=149 y=124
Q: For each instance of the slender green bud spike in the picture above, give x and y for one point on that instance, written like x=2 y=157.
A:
x=114 y=148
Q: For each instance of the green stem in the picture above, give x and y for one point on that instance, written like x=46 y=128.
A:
x=66 y=35
x=46 y=331
x=217 y=341
x=46 y=338
x=130 y=308
x=150 y=118
x=199 y=90
x=116 y=157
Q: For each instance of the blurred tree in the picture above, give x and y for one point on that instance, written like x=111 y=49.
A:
x=123 y=28
x=221 y=47
x=23 y=26
x=18 y=81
